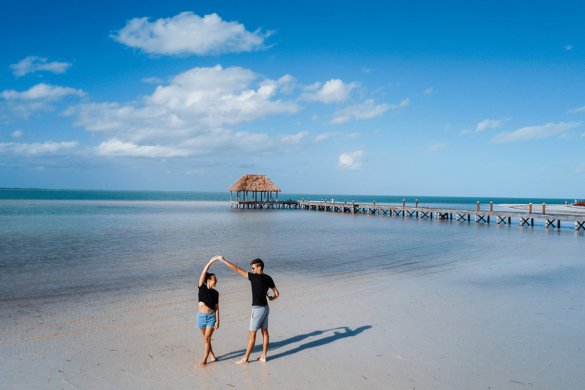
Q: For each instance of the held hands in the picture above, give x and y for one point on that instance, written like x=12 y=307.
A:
x=214 y=259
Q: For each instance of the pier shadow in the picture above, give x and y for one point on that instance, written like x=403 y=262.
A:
x=338 y=334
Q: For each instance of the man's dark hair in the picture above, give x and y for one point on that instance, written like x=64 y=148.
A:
x=208 y=275
x=259 y=262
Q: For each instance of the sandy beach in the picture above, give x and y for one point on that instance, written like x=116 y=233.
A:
x=343 y=331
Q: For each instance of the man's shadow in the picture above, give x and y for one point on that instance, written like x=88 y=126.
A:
x=338 y=334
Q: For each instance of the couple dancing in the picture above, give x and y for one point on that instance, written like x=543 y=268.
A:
x=208 y=315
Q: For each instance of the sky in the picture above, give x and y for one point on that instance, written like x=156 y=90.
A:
x=451 y=98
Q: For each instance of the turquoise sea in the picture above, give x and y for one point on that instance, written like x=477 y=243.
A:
x=61 y=249
x=18 y=193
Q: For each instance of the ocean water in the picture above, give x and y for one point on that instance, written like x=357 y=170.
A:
x=58 y=252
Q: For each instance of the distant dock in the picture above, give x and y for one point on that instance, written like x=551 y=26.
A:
x=551 y=221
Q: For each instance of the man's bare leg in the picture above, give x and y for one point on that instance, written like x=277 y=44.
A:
x=265 y=341
x=251 y=342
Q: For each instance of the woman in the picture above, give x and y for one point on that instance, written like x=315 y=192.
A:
x=208 y=315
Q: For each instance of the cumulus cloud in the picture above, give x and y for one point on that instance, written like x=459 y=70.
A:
x=365 y=110
x=189 y=115
x=334 y=90
x=535 y=132
x=22 y=104
x=193 y=102
x=41 y=92
x=188 y=33
x=488 y=124
x=34 y=64
x=35 y=149
x=351 y=160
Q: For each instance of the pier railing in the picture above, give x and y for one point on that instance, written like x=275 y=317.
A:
x=551 y=220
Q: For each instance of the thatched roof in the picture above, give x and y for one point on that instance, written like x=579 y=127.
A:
x=254 y=183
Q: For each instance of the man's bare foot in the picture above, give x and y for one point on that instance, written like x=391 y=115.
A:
x=242 y=361
x=262 y=359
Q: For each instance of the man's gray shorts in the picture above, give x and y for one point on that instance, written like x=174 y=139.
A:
x=259 y=317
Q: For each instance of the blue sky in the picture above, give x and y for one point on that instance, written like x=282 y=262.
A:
x=401 y=98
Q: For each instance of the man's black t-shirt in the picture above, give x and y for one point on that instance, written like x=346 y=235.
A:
x=208 y=296
x=260 y=285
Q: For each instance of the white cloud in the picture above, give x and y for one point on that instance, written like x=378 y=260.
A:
x=488 y=124
x=535 y=132
x=15 y=104
x=188 y=33
x=115 y=147
x=436 y=147
x=322 y=137
x=577 y=110
x=34 y=64
x=334 y=90
x=429 y=91
x=31 y=149
x=365 y=110
x=568 y=47
x=294 y=138
x=188 y=116
x=193 y=102
x=41 y=92
x=16 y=134
x=351 y=160
x=336 y=135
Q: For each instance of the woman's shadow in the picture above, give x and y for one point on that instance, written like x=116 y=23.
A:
x=338 y=334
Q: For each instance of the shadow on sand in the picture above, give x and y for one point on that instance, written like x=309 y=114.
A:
x=338 y=334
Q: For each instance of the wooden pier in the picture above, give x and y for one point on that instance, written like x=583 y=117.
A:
x=286 y=204
x=551 y=221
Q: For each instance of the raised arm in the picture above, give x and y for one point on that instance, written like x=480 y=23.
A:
x=234 y=267
x=202 y=277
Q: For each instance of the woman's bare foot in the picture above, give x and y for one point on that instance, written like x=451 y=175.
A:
x=262 y=359
x=242 y=361
x=212 y=359
x=201 y=364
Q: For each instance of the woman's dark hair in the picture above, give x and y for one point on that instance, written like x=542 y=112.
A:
x=209 y=275
x=259 y=262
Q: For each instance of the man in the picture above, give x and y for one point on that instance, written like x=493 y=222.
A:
x=260 y=283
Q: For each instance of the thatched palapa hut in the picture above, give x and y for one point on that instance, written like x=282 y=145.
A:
x=254 y=190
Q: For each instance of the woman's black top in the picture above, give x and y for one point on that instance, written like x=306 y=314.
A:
x=208 y=296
